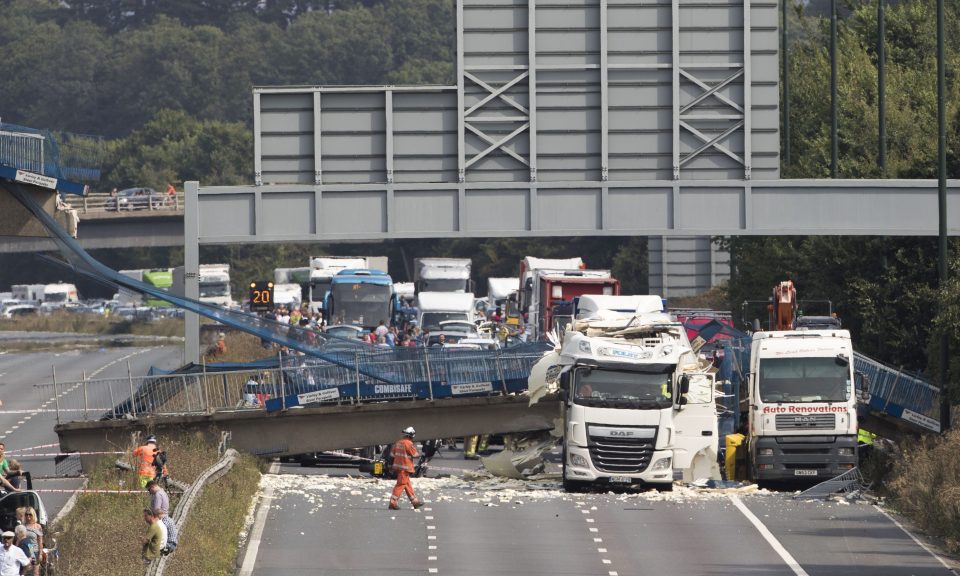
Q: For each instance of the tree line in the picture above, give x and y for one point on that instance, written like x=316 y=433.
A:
x=168 y=84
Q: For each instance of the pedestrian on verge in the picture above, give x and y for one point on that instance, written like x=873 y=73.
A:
x=13 y=562
x=403 y=453
x=170 y=529
x=159 y=500
x=152 y=542
x=144 y=456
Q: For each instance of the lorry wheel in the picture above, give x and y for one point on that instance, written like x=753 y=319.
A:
x=664 y=487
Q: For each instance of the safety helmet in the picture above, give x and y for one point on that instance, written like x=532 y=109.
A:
x=409 y=431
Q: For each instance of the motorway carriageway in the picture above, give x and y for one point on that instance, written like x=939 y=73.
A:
x=334 y=521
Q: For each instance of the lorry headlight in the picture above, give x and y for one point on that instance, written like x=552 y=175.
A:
x=845 y=451
x=765 y=452
x=578 y=460
x=666 y=350
x=584 y=346
x=662 y=464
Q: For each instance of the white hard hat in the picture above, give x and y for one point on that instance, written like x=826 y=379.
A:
x=409 y=431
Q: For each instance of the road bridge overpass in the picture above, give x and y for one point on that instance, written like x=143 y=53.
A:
x=304 y=430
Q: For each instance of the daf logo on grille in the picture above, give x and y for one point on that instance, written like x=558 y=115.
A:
x=621 y=433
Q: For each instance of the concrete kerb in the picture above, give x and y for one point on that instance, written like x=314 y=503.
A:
x=190 y=497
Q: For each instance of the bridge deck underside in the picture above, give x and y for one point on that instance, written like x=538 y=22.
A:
x=327 y=428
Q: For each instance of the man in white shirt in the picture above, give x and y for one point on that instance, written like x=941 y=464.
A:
x=13 y=562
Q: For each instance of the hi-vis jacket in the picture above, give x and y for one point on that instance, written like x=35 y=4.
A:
x=403 y=453
x=144 y=456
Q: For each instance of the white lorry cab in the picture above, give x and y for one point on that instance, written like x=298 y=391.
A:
x=215 y=285
x=802 y=405
x=60 y=294
x=638 y=406
x=442 y=274
x=438 y=307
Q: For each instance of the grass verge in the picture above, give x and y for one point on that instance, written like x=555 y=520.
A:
x=926 y=486
x=211 y=535
x=101 y=535
x=92 y=324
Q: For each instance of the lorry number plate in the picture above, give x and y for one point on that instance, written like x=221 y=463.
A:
x=804 y=472
x=621 y=480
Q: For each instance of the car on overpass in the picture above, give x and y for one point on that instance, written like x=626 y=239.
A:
x=135 y=199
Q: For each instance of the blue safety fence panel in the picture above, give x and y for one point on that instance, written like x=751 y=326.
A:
x=405 y=373
x=899 y=394
x=892 y=392
x=61 y=155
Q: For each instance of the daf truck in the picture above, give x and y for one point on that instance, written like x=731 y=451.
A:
x=801 y=404
x=442 y=275
x=638 y=407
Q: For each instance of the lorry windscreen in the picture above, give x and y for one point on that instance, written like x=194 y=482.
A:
x=361 y=304
x=431 y=320
x=213 y=289
x=443 y=285
x=55 y=297
x=621 y=389
x=822 y=379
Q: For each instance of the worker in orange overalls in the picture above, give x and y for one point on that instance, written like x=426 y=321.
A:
x=403 y=453
x=144 y=457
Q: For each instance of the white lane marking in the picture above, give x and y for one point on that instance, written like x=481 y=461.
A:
x=605 y=561
x=14 y=427
x=613 y=573
x=256 y=533
x=431 y=527
x=428 y=517
x=602 y=550
x=432 y=558
x=915 y=539
x=769 y=537
x=594 y=529
x=589 y=520
x=432 y=547
x=431 y=537
x=598 y=539
x=432 y=570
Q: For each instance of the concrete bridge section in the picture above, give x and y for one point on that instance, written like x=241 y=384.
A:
x=325 y=428
x=110 y=231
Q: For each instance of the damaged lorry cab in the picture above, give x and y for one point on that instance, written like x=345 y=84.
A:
x=638 y=407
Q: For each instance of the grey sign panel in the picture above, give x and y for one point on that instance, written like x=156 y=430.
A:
x=551 y=91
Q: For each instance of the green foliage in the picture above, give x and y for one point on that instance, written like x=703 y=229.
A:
x=173 y=147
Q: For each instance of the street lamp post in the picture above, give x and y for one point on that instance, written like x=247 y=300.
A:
x=942 y=208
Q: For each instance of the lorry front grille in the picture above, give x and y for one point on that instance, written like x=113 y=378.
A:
x=621 y=455
x=806 y=421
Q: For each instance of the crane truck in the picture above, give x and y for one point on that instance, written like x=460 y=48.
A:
x=798 y=398
x=638 y=407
